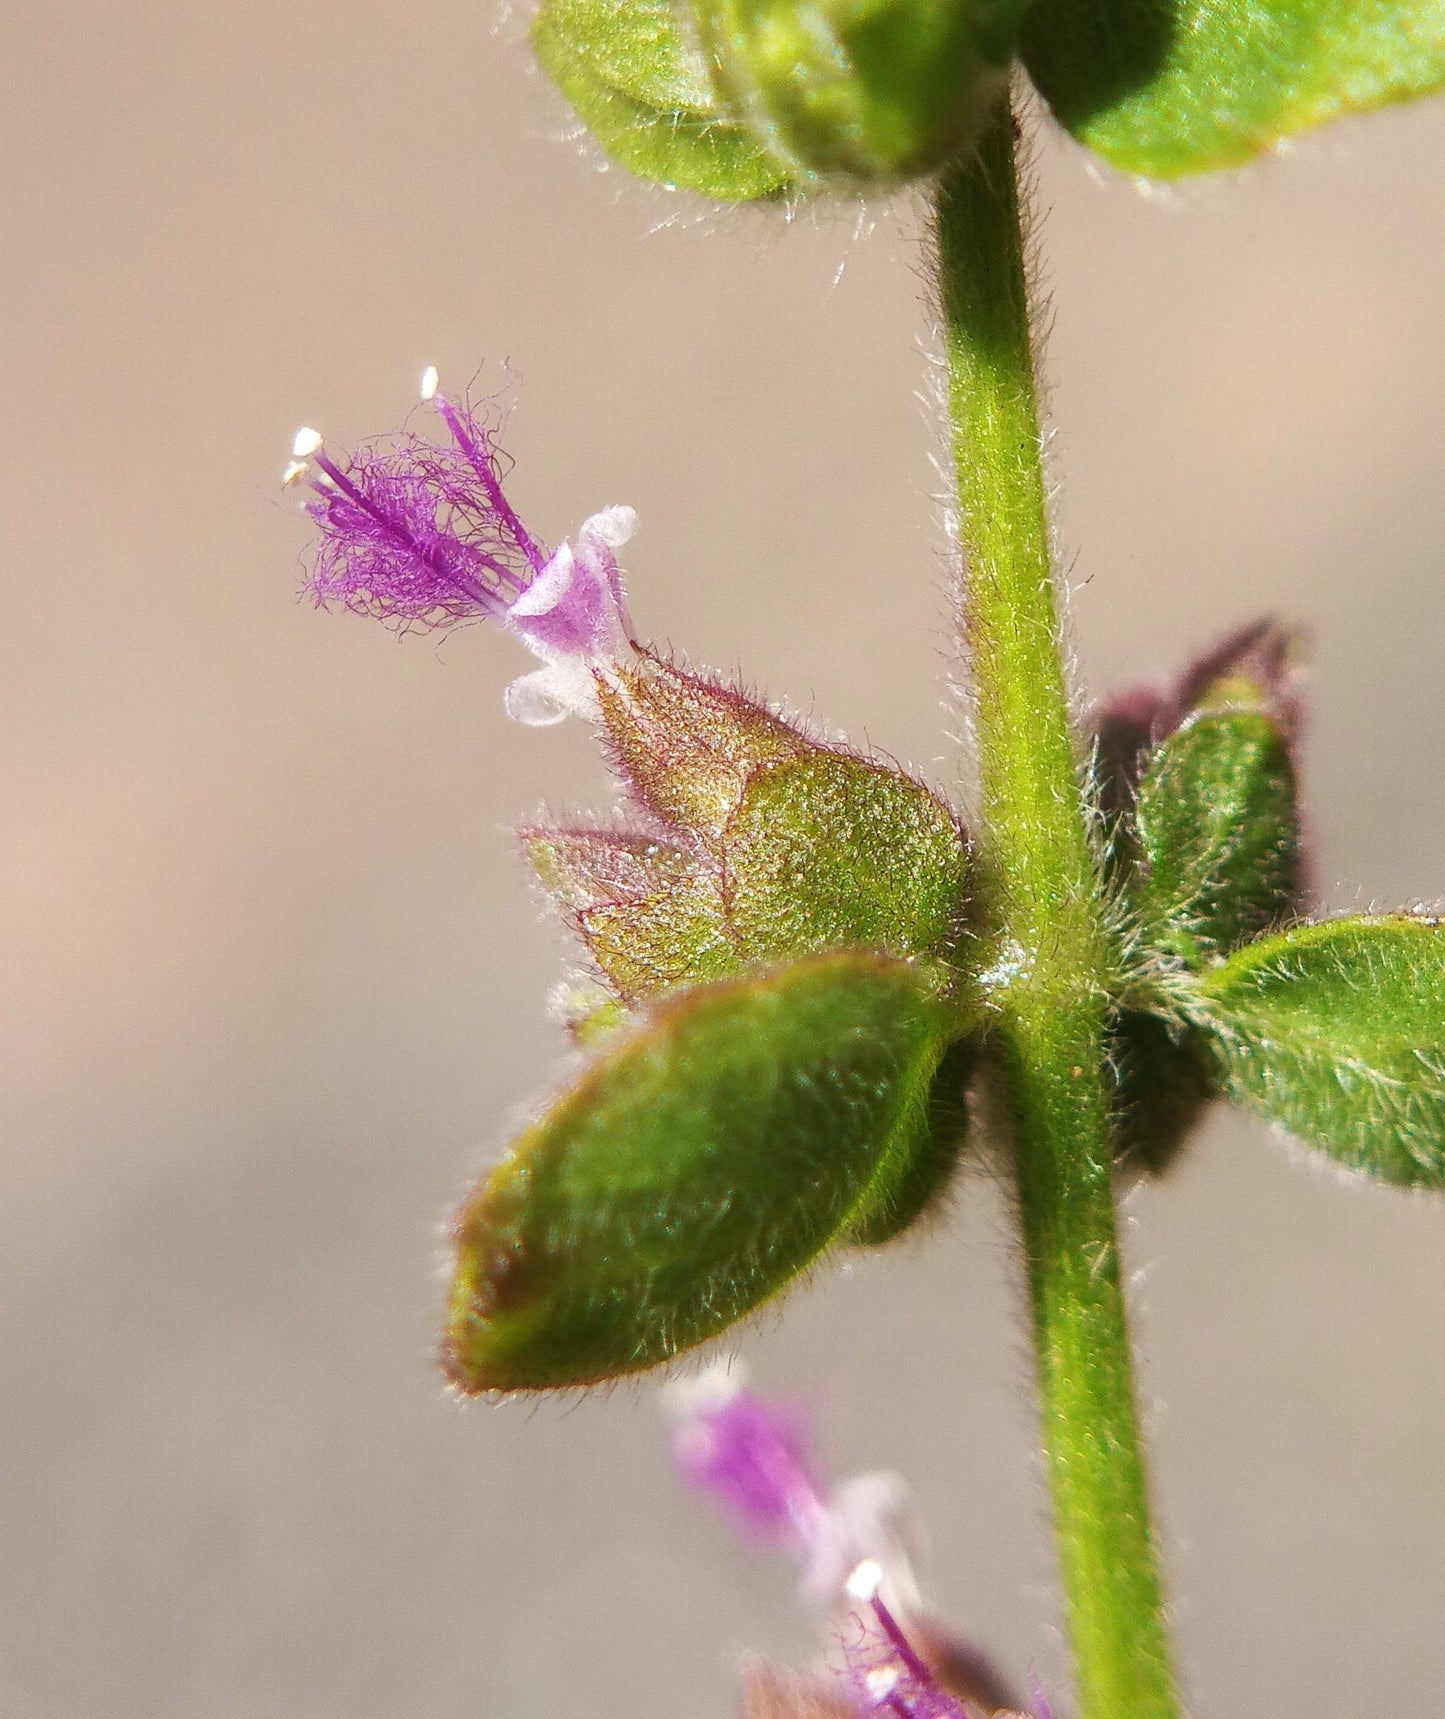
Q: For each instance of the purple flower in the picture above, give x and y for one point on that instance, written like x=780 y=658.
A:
x=420 y=533
x=855 y=1545
x=749 y=1455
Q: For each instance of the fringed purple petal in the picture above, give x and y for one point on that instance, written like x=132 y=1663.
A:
x=419 y=533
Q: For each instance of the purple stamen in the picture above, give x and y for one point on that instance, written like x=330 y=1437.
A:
x=407 y=540
x=902 y=1646
x=420 y=531
x=478 y=457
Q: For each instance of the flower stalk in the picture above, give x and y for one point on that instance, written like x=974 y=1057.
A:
x=1042 y=904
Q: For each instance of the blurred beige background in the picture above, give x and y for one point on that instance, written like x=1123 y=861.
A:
x=275 y=984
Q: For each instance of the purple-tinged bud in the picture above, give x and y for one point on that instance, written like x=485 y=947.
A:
x=419 y=533
x=1257 y=667
x=1254 y=667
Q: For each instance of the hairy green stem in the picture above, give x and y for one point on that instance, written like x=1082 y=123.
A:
x=1042 y=900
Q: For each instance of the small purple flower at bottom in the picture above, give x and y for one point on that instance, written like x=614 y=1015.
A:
x=420 y=533
x=749 y=1455
x=855 y=1545
x=884 y=1670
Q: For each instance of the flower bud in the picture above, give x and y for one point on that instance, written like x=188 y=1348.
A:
x=871 y=91
x=1197 y=780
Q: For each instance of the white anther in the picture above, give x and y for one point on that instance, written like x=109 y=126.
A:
x=294 y=473
x=711 y=1388
x=430 y=382
x=306 y=443
x=865 y=1580
x=882 y=1681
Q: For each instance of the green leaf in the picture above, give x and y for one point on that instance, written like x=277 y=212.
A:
x=698 y=1163
x=1171 y=87
x=897 y=1200
x=827 y=850
x=1336 y=1032
x=862 y=92
x=1217 y=833
x=645 y=94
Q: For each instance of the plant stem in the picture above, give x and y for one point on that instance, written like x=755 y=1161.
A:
x=1041 y=896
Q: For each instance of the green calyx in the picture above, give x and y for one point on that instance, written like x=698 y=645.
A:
x=762 y=846
x=700 y=1161
x=868 y=92
x=830 y=850
x=781 y=1038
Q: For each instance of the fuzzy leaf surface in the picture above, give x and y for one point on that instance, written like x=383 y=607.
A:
x=685 y=745
x=1336 y=1032
x=914 y=1182
x=644 y=93
x=1217 y=832
x=650 y=914
x=698 y=1163
x=1166 y=88
x=828 y=850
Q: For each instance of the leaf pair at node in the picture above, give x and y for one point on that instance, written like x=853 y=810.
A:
x=785 y=1007
x=746 y=99
x=1334 y=1030
x=781 y=1045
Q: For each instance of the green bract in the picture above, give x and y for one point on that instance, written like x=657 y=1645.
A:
x=1170 y=87
x=1217 y=834
x=1337 y=1032
x=863 y=90
x=645 y=94
x=760 y=845
x=828 y=850
x=698 y=1164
